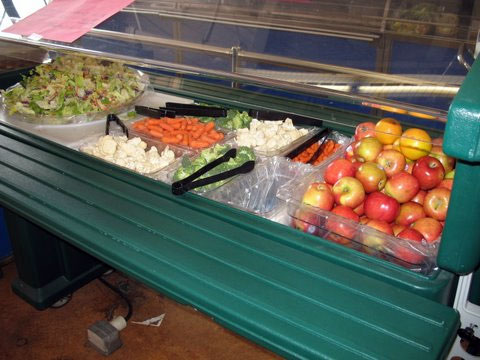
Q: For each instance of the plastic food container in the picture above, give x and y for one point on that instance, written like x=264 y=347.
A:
x=339 y=138
x=312 y=131
x=166 y=175
x=133 y=132
x=256 y=191
x=419 y=257
x=179 y=153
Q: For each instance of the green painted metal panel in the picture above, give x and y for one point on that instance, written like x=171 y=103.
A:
x=461 y=254
x=291 y=292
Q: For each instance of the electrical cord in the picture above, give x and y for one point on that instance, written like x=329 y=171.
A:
x=121 y=294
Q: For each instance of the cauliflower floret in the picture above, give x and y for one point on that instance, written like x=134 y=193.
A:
x=108 y=145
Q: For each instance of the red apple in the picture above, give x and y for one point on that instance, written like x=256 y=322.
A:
x=306 y=221
x=372 y=176
x=397 y=229
x=349 y=155
x=447 y=161
x=365 y=129
x=348 y=191
x=409 y=166
x=319 y=195
x=337 y=169
x=379 y=206
x=356 y=164
x=359 y=210
x=446 y=183
x=404 y=252
x=420 y=197
x=340 y=227
x=409 y=213
x=429 y=228
x=436 y=203
x=367 y=149
x=429 y=172
x=402 y=187
x=392 y=161
x=372 y=240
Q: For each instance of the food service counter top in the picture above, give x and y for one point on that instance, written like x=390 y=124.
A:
x=284 y=289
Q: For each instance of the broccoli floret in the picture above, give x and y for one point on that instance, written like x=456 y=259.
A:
x=183 y=172
x=246 y=152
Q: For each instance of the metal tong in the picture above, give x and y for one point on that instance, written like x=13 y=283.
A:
x=189 y=183
x=173 y=109
x=116 y=119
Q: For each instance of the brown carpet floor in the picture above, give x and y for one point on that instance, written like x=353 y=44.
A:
x=61 y=334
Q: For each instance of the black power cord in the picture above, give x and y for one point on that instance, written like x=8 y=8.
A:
x=121 y=294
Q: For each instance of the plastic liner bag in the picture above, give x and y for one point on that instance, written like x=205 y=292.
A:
x=256 y=192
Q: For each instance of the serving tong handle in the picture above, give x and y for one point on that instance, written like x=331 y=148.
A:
x=317 y=152
x=182 y=186
x=116 y=119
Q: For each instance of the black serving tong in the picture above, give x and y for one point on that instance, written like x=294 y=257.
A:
x=175 y=109
x=116 y=119
x=275 y=115
x=319 y=150
x=305 y=145
x=189 y=183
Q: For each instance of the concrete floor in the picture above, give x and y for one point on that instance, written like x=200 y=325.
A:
x=61 y=334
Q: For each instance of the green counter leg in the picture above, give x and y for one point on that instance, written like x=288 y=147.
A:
x=48 y=267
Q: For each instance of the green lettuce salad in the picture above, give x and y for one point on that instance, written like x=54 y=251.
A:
x=72 y=85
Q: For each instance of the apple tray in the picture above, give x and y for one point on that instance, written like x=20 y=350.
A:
x=323 y=223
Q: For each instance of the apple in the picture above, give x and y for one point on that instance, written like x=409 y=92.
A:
x=437 y=141
x=340 y=227
x=420 y=197
x=367 y=149
x=379 y=206
x=363 y=130
x=349 y=191
x=376 y=241
x=409 y=213
x=392 y=161
x=364 y=220
x=409 y=254
x=447 y=161
x=337 y=169
x=397 y=228
x=305 y=221
x=372 y=176
x=436 y=203
x=319 y=195
x=450 y=174
x=446 y=183
x=429 y=228
x=356 y=164
x=359 y=210
x=402 y=187
x=349 y=155
x=429 y=171
x=409 y=166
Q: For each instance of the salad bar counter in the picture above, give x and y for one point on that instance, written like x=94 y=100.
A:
x=323 y=210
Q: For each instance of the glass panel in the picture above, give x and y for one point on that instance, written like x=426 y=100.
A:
x=400 y=56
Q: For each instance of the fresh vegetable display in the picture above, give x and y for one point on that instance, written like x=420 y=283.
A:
x=327 y=149
x=189 y=132
x=395 y=180
x=188 y=166
x=72 y=85
x=234 y=120
x=265 y=136
x=130 y=153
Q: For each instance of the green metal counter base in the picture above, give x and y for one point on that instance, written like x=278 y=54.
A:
x=290 y=292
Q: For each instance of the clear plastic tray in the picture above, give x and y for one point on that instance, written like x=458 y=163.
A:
x=313 y=220
x=50 y=120
x=166 y=175
x=179 y=152
x=339 y=138
x=227 y=137
x=256 y=191
x=312 y=131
